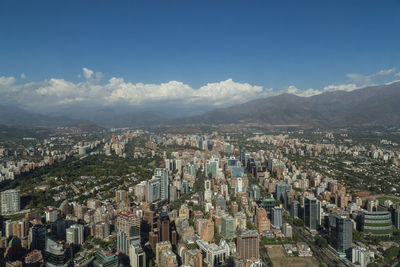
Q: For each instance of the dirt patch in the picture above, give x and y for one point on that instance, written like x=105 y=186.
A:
x=279 y=258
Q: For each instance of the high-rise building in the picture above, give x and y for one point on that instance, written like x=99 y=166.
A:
x=261 y=220
x=164 y=227
x=312 y=213
x=153 y=190
x=228 y=227
x=10 y=201
x=57 y=253
x=38 y=237
x=75 y=234
x=128 y=228
x=247 y=244
x=276 y=217
x=161 y=174
x=137 y=256
x=212 y=166
x=281 y=191
x=341 y=233
x=294 y=209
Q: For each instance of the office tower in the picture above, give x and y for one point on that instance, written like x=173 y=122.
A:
x=247 y=244
x=137 y=257
x=281 y=191
x=212 y=166
x=161 y=175
x=228 y=227
x=38 y=237
x=268 y=204
x=276 y=217
x=105 y=259
x=153 y=190
x=164 y=227
x=10 y=201
x=312 y=215
x=377 y=223
x=341 y=232
x=294 y=209
x=57 y=254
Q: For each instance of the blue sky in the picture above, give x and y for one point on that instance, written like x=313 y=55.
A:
x=272 y=44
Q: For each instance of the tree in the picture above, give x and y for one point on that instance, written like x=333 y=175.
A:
x=321 y=242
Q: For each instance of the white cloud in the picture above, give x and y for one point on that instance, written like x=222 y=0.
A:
x=305 y=93
x=116 y=91
x=368 y=79
x=23 y=76
x=87 y=73
x=397 y=74
x=6 y=81
x=341 y=87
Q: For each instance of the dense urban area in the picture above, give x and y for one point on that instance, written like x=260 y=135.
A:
x=231 y=195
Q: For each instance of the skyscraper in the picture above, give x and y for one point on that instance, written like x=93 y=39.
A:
x=247 y=244
x=137 y=257
x=161 y=174
x=164 y=227
x=38 y=237
x=341 y=233
x=128 y=229
x=281 y=191
x=312 y=216
x=276 y=217
x=10 y=201
x=228 y=227
x=294 y=209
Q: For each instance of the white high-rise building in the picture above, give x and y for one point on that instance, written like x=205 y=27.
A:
x=10 y=201
x=137 y=257
x=161 y=174
x=75 y=234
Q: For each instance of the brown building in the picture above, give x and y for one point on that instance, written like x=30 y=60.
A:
x=193 y=258
x=163 y=227
x=153 y=239
x=247 y=244
x=207 y=231
x=261 y=220
x=129 y=223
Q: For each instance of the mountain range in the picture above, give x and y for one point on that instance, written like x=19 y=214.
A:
x=370 y=106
